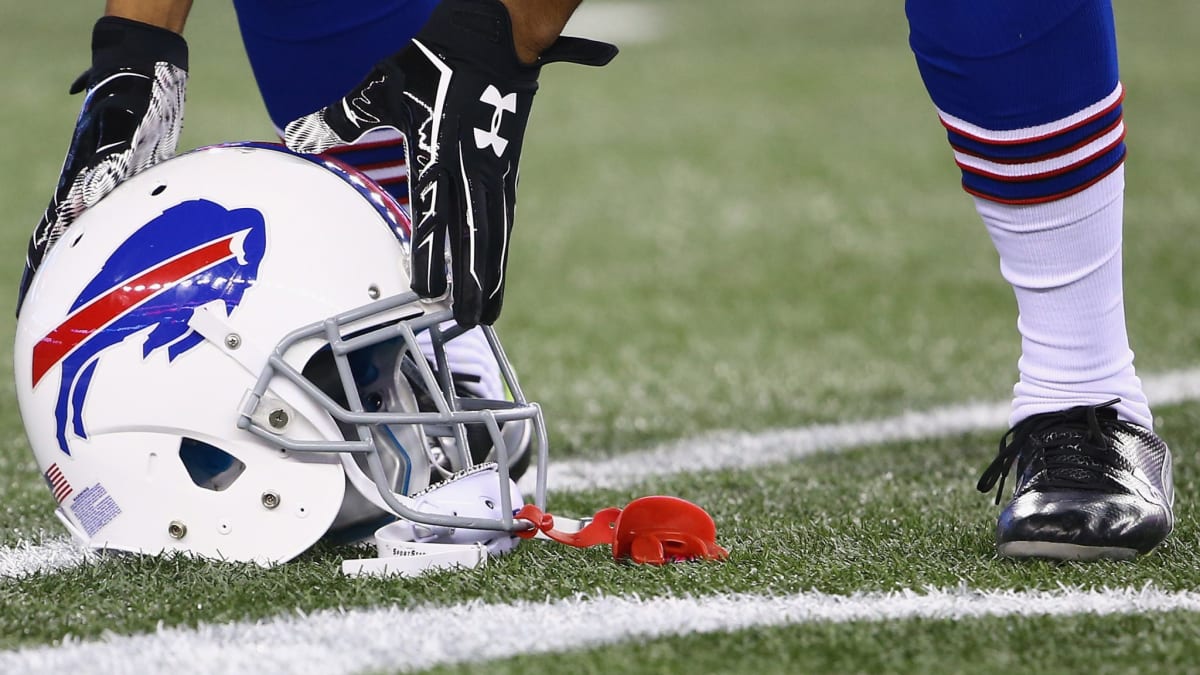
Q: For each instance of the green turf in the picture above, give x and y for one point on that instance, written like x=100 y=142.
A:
x=752 y=222
x=879 y=519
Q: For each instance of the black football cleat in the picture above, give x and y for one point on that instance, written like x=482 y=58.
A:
x=1089 y=486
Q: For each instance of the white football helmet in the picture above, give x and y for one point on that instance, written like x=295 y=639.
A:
x=224 y=357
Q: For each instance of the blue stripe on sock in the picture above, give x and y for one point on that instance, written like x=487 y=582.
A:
x=1053 y=145
x=1045 y=189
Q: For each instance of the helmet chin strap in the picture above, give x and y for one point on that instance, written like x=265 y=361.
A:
x=408 y=548
x=412 y=559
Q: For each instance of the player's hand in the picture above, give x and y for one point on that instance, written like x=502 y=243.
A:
x=461 y=98
x=130 y=120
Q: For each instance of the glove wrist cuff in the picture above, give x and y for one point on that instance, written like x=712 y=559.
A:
x=479 y=32
x=124 y=43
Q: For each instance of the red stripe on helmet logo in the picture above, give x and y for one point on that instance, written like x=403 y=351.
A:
x=97 y=314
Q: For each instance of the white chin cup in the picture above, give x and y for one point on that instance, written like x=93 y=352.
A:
x=409 y=549
x=470 y=494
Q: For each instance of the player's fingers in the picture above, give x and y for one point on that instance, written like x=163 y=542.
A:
x=470 y=243
x=499 y=217
x=311 y=134
x=376 y=102
x=431 y=202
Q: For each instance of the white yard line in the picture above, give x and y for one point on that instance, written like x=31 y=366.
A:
x=745 y=450
x=725 y=450
x=54 y=553
x=394 y=639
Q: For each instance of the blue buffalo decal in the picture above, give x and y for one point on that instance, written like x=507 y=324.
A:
x=194 y=253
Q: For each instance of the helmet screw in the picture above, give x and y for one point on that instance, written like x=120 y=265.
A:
x=373 y=292
x=278 y=418
x=233 y=341
x=177 y=530
x=270 y=499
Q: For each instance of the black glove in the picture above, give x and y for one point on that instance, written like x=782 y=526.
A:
x=461 y=98
x=130 y=120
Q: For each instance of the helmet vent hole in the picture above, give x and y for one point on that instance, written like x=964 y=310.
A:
x=158 y=190
x=208 y=466
x=373 y=402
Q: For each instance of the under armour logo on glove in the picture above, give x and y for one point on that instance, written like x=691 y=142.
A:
x=461 y=98
x=502 y=104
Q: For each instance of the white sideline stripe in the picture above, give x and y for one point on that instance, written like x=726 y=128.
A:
x=744 y=450
x=619 y=22
x=51 y=555
x=340 y=641
x=709 y=452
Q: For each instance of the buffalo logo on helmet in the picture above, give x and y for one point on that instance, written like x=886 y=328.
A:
x=193 y=254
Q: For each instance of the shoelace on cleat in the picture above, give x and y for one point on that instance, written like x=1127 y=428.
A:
x=1072 y=446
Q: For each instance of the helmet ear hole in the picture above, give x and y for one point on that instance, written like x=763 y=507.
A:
x=208 y=466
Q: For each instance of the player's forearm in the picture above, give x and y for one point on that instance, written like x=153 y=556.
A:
x=169 y=14
x=537 y=24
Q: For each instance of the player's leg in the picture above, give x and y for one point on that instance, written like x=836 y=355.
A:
x=305 y=55
x=1030 y=97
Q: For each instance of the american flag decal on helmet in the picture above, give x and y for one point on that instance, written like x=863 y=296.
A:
x=58 y=483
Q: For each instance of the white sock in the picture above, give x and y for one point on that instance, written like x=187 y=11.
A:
x=469 y=354
x=1063 y=259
